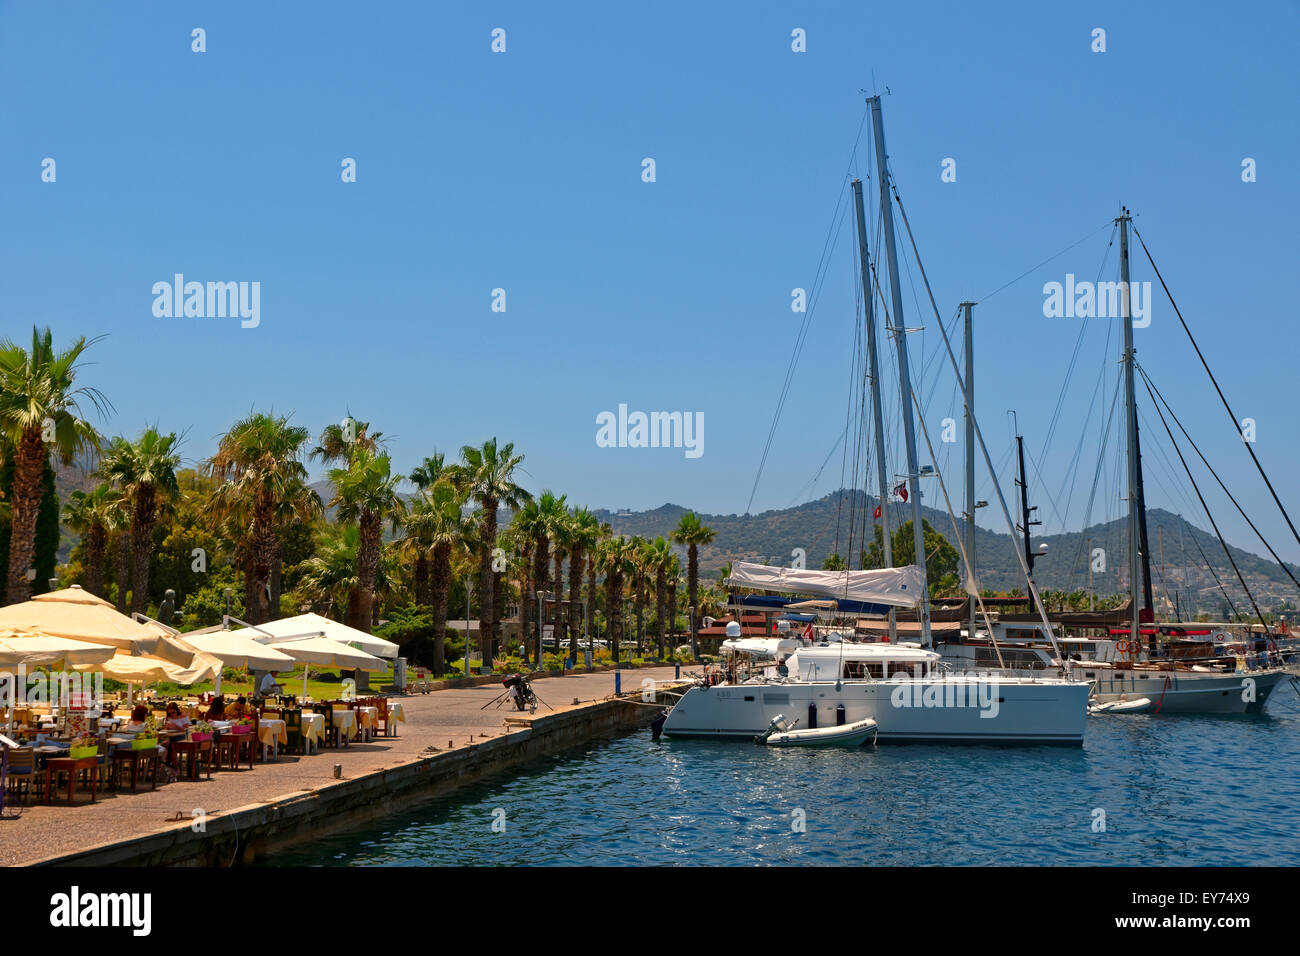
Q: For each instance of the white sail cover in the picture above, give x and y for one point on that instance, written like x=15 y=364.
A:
x=900 y=587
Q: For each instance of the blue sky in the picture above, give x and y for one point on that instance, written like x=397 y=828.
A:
x=522 y=170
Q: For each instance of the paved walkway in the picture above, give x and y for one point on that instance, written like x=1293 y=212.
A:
x=444 y=719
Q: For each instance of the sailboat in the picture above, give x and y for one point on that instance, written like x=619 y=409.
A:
x=901 y=687
x=1138 y=665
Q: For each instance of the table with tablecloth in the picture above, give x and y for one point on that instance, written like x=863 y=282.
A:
x=272 y=733
x=395 y=714
x=313 y=730
x=369 y=720
x=346 y=722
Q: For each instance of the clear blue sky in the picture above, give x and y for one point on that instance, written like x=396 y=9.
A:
x=522 y=171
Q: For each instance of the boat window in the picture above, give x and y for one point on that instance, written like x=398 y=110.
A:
x=862 y=670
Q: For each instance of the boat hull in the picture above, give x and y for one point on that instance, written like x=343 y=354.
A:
x=1187 y=693
x=948 y=710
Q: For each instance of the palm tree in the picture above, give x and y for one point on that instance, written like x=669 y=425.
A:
x=329 y=577
x=258 y=462
x=300 y=505
x=335 y=445
x=540 y=519
x=691 y=532
x=145 y=472
x=674 y=573
x=39 y=413
x=616 y=558
x=449 y=531
x=659 y=558
x=366 y=492
x=487 y=476
x=94 y=515
x=640 y=578
x=583 y=535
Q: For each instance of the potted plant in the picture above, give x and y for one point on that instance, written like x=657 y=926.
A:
x=148 y=738
x=201 y=730
x=243 y=725
x=83 y=746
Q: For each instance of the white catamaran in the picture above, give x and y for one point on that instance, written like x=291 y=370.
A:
x=901 y=688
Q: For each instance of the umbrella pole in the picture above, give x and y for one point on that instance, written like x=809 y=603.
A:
x=304 y=680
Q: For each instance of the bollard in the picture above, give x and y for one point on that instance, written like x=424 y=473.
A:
x=618 y=683
x=338 y=771
x=677 y=671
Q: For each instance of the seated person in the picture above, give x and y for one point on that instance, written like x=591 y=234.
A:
x=218 y=709
x=175 y=719
x=139 y=716
x=269 y=685
x=237 y=710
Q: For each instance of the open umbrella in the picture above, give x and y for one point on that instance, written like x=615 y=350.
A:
x=77 y=614
x=18 y=647
x=313 y=649
x=305 y=624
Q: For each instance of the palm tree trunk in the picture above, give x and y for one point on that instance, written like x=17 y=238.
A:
x=421 y=574
x=371 y=528
x=250 y=588
x=661 y=595
x=591 y=595
x=498 y=604
x=95 y=541
x=29 y=469
x=486 y=583
x=672 y=610
x=277 y=576
x=123 y=567
x=440 y=586
x=693 y=587
x=559 y=594
x=142 y=549
x=575 y=601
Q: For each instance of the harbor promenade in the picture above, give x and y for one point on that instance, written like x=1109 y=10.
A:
x=445 y=722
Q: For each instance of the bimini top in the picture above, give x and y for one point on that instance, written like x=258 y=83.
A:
x=898 y=587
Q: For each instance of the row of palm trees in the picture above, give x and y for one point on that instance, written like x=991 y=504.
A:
x=449 y=529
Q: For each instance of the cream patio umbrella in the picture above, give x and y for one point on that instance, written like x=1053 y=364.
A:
x=146 y=668
x=235 y=650
x=314 y=649
x=20 y=647
x=77 y=614
x=316 y=624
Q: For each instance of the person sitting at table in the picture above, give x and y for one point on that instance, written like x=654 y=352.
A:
x=269 y=685
x=136 y=724
x=175 y=719
x=218 y=709
x=236 y=710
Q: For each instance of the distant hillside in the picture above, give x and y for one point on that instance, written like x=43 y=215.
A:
x=823 y=526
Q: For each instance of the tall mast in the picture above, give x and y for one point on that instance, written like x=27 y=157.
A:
x=970 y=462
x=1025 y=510
x=1139 y=553
x=904 y=376
x=868 y=298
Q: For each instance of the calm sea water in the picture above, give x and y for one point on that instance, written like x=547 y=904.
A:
x=1178 y=790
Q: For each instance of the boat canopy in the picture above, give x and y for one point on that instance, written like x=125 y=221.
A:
x=896 y=587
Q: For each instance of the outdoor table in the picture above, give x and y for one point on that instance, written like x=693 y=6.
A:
x=313 y=729
x=346 y=722
x=57 y=765
x=192 y=749
x=123 y=755
x=369 y=718
x=272 y=733
x=395 y=713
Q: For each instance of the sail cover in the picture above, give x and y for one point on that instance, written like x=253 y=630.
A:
x=899 y=587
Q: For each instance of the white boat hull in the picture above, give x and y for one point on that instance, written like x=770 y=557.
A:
x=1023 y=711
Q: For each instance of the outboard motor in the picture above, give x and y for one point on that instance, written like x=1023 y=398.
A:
x=657 y=727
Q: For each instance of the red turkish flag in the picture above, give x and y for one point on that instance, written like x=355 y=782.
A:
x=876 y=513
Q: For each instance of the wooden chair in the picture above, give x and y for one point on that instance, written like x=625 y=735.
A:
x=293 y=729
x=24 y=775
x=381 y=724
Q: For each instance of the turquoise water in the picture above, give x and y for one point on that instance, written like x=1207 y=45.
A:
x=1176 y=790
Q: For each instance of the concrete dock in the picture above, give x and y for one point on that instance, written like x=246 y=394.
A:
x=447 y=740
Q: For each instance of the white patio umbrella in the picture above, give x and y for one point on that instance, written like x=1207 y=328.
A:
x=77 y=614
x=19 y=647
x=235 y=650
x=334 y=630
x=314 y=649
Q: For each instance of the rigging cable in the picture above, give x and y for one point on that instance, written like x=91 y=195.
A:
x=1206 y=508
x=1214 y=381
